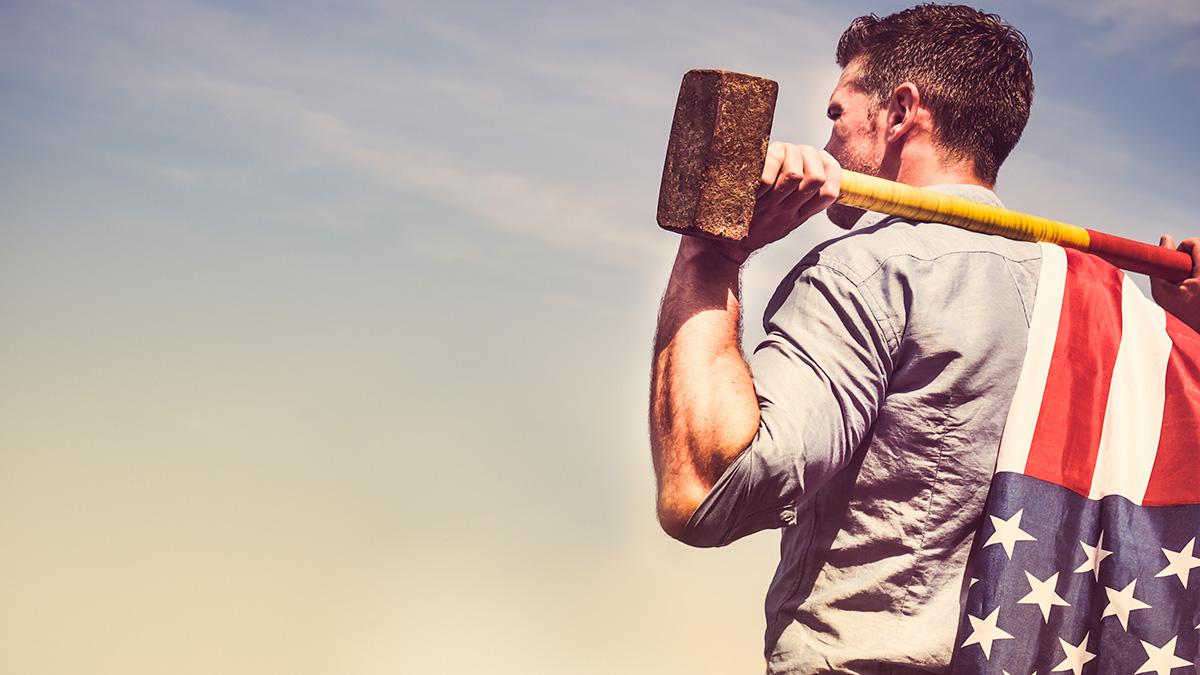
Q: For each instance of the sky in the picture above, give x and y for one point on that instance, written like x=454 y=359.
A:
x=327 y=330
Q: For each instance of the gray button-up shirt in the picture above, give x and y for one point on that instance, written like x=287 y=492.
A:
x=884 y=381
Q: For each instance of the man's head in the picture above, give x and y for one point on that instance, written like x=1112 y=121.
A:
x=943 y=83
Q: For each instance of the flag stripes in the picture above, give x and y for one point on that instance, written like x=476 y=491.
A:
x=1066 y=439
x=1106 y=402
x=1133 y=416
x=1175 y=478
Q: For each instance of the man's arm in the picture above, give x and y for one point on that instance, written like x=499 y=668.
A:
x=703 y=408
x=1182 y=299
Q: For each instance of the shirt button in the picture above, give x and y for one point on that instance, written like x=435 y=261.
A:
x=787 y=516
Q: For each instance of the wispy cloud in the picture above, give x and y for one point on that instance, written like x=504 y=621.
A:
x=1075 y=164
x=313 y=103
x=1173 y=25
x=417 y=129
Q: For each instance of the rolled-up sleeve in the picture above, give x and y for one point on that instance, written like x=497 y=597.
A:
x=820 y=376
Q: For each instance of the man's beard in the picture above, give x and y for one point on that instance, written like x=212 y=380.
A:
x=841 y=215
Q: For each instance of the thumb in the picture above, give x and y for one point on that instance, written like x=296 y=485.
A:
x=1167 y=241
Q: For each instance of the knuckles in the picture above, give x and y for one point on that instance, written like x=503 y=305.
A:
x=789 y=160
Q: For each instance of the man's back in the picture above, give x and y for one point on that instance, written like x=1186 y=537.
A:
x=879 y=438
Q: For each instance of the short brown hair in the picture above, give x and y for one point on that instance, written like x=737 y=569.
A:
x=971 y=68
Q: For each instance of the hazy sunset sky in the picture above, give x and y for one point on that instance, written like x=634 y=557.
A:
x=327 y=330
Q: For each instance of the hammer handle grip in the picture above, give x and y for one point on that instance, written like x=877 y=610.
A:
x=897 y=199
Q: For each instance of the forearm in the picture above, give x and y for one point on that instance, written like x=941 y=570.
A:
x=703 y=409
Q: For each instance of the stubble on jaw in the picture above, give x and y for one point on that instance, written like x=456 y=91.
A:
x=841 y=215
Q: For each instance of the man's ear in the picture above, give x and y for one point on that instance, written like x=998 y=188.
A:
x=902 y=111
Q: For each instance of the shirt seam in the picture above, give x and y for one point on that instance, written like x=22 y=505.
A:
x=847 y=272
x=802 y=570
x=919 y=553
x=1020 y=293
x=890 y=335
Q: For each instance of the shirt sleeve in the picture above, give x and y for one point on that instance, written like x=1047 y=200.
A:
x=820 y=375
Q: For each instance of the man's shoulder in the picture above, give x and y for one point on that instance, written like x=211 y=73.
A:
x=895 y=245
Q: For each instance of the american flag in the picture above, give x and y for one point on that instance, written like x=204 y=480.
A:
x=1084 y=559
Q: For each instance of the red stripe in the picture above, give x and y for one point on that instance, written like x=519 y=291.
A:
x=1067 y=436
x=1175 y=478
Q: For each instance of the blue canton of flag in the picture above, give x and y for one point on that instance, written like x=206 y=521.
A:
x=1069 y=584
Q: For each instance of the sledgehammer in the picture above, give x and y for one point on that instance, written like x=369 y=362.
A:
x=718 y=147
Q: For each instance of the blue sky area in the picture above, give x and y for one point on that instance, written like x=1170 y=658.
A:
x=327 y=331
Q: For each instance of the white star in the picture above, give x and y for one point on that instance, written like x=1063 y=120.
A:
x=1181 y=562
x=1077 y=656
x=1094 y=556
x=1121 y=603
x=1008 y=533
x=1162 y=660
x=1042 y=594
x=984 y=632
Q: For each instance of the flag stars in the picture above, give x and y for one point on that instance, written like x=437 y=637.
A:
x=1076 y=656
x=984 y=632
x=1043 y=594
x=1180 y=563
x=1094 y=555
x=1161 y=660
x=1121 y=603
x=1008 y=533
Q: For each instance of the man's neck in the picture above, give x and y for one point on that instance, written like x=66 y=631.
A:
x=923 y=166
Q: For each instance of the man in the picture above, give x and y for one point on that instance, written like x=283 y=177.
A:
x=869 y=429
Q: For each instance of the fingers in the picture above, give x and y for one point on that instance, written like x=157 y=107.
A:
x=811 y=178
x=828 y=193
x=1192 y=246
x=797 y=190
x=791 y=173
x=821 y=186
x=776 y=152
x=814 y=172
x=797 y=182
x=787 y=170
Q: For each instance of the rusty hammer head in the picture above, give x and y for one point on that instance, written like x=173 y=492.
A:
x=716 y=153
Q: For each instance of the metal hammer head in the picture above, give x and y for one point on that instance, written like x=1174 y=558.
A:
x=716 y=153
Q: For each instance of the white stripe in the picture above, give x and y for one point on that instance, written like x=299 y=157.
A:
x=1134 y=414
x=1043 y=330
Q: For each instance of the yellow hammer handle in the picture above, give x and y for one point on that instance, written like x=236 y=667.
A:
x=897 y=199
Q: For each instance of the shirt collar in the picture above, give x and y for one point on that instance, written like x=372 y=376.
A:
x=975 y=193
